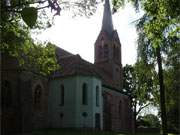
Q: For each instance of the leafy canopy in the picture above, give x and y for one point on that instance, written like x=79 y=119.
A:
x=30 y=10
x=38 y=57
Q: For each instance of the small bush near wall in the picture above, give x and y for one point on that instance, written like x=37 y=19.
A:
x=148 y=130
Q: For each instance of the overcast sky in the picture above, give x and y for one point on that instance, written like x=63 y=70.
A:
x=78 y=35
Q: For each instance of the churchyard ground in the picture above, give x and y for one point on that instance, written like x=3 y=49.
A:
x=77 y=132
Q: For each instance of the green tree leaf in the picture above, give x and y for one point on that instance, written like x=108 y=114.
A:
x=14 y=2
x=29 y=15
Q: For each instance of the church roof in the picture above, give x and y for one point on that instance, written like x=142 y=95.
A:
x=60 y=53
x=107 y=23
x=75 y=65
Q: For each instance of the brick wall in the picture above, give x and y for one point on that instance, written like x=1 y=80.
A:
x=19 y=116
x=117 y=112
x=40 y=114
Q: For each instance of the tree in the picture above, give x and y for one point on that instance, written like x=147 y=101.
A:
x=172 y=96
x=138 y=84
x=172 y=81
x=161 y=24
x=168 y=43
x=30 y=10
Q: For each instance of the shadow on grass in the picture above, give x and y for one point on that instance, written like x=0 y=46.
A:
x=72 y=132
x=80 y=132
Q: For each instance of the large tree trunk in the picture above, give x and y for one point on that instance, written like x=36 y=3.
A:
x=135 y=124
x=162 y=92
x=133 y=107
x=134 y=117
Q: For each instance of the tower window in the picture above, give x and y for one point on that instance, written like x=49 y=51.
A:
x=97 y=96
x=100 y=53
x=62 y=95
x=37 y=97
x=106 y=52
x=84 y=94
x=61 y=115
x=116 y=52
x=117 y=69
x=84 y=114
x=120 y=108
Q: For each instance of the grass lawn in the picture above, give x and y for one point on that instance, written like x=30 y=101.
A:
x=77 y=132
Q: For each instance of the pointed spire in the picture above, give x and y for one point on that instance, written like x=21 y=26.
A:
x=107 y=24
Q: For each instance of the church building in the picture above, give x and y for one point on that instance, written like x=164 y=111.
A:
x=80 y=95
x=86 y=95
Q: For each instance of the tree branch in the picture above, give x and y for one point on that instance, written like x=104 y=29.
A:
x=43 y=7
x=24 y=4
x=141 y=108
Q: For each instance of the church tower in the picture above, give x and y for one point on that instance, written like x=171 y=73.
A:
x=108 y=49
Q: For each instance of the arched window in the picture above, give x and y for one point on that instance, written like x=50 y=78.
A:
x=84 y=94
x=61 y=115
x=62 y=95
x=97 y=96
x=84 y=114
x=37 y=97
x=6 y=94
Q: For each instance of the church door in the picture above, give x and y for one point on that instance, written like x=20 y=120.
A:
x=97 y=121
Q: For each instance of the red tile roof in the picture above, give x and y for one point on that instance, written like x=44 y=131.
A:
x=60 y=53
x=73 y=65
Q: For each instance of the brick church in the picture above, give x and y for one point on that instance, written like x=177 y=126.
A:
x=81 y=95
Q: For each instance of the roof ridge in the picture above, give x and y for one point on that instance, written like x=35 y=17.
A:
x=57 y=47
x=63 y=57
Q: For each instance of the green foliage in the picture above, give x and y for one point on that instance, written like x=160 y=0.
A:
x=27 y=10
x=138 y=83
x=38 y=58
x=162 y=19
x=170 y=49
x=159 y=28
x=128 y=80
x=29 y=15
x=144 y=76
x=34 y=13
x=172 y=82
x=117 y=4
x=148 y=120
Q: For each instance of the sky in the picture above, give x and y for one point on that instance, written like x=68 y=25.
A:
x=78 y=35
